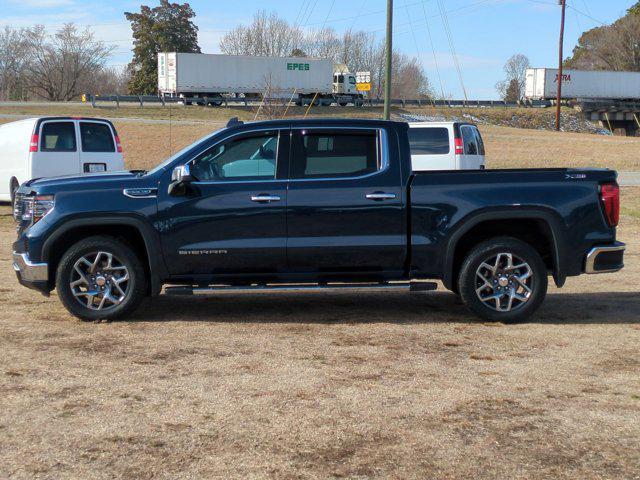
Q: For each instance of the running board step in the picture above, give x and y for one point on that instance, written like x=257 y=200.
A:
x=305 y=287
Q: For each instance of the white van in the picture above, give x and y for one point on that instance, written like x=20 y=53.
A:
x=54 y=146
x=445 y=146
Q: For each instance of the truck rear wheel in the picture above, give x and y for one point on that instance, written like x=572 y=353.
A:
x=100 y=278
x=503 y=279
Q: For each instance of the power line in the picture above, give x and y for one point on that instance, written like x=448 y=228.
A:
x=311 y=11
x=585 y=15
x=454 y=54
x=353 y=17
x=328 y=13
x=433 y=50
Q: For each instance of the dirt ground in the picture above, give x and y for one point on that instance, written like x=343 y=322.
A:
x=319 y=385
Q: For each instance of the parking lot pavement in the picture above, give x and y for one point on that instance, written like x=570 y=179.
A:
x=629 y=179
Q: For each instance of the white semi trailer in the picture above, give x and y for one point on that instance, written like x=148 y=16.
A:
x=210 y=78
x=542 y=84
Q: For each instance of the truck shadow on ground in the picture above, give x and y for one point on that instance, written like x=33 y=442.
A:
x=372 y=307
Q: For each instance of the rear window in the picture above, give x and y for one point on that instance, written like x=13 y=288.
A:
x=473 y=144
x=58 y=137
x=429 y=141
x=96 y=137
x=333 y=154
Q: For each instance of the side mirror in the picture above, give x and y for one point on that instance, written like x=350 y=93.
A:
x=180 y=179
x=181 y=174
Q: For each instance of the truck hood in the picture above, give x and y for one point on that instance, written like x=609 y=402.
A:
x=104 y=180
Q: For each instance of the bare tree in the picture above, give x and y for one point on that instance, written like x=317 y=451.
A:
x=272 y=36
x=268 y=35
x=515 y=71
x=59 y=64
x=12 y=64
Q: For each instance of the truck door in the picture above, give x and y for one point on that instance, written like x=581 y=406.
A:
x=232 y=220
x=57 y=150
x=345 y=203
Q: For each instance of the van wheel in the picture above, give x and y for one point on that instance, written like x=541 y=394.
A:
x=13 y=189
x=503 y=279
x=100 y=278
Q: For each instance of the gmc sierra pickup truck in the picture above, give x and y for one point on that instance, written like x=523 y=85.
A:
x=313 y=204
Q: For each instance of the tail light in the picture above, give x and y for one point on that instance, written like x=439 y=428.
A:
x=610 y=197
x=459 y=146
x=118 y=144
x=33 y=146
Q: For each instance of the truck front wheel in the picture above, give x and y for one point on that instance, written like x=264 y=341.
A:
x=503 y=279
x=100 y=278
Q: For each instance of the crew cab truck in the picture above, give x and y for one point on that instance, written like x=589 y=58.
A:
x=300 y=204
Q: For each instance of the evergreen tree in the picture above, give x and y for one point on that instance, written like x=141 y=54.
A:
x=165 y=28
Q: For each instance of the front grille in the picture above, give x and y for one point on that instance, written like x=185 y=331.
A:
x=18 y=206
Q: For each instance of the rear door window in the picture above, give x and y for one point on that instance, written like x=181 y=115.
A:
x=96 y=137
x=479 y=141
x=58 y=137
x=429 y=141
x=326 y=154
x=470 y=140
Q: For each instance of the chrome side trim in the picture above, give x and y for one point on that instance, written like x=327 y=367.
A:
x=589 y=266
x=381 y=147
x=29 y=271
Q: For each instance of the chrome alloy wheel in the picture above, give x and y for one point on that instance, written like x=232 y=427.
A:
x=504 y=282
x=99 y=281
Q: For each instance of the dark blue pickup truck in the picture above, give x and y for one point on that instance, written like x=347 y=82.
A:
x=313 y=204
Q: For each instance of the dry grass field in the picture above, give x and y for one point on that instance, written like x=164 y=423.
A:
x=146 y=144
x=331 y=385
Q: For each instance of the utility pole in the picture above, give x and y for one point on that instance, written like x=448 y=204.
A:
x=388 y=62
x=564 y=8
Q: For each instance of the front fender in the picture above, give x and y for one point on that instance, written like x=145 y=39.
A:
x=157 y=267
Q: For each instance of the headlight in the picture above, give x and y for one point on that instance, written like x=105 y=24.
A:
x=34 y=208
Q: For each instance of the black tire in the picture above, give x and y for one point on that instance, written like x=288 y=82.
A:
x=343 y=104
x=13 y=188
x=474 y=274
x=134 y=289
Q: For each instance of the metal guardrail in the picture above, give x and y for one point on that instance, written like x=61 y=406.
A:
x=226 y=101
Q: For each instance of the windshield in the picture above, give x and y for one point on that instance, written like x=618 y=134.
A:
x=178 y=154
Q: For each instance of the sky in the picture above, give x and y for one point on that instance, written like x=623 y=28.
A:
x=484 y=33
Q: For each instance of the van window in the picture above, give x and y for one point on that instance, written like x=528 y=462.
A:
x=352 y=80
x=480 y=141
x=334 y=154
x=58 y=137
x=96 y=137
x=470 y=140
x=429 y=141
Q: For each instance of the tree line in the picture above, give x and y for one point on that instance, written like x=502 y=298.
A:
x=271 y=35
x=59 y=66
x=56 y=67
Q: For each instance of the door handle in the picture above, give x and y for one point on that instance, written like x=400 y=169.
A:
x=380 y=196
x=263 y=198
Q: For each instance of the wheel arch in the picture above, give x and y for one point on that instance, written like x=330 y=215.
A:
x=540 y=228
x=133 y=231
